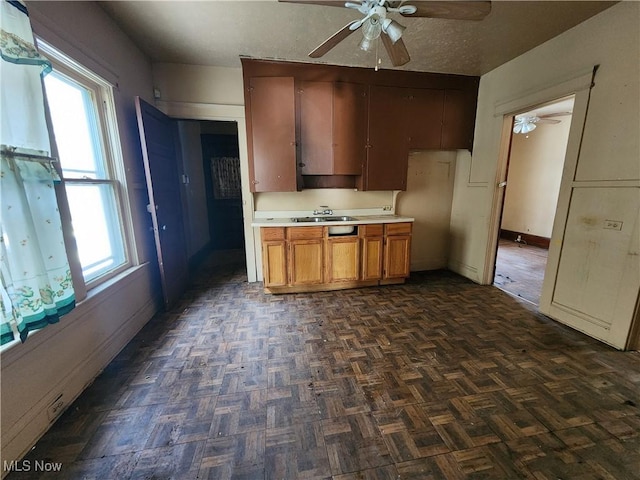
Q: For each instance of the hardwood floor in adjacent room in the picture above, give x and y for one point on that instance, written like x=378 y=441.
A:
x=520 y=269
x=439 y=378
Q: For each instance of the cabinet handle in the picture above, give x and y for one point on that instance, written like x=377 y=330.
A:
x=302 y=165
x=255 y=182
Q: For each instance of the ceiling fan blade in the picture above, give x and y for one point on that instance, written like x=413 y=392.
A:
x=397 y=51
x=547 y=120
x=558 y=114
x=454 y=10
x=332 y=41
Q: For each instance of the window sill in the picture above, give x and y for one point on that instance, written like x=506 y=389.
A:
x=95 y=296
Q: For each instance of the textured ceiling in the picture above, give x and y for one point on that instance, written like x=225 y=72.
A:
x=219 y=32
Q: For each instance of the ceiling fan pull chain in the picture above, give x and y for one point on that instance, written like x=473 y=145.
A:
x=377 y=56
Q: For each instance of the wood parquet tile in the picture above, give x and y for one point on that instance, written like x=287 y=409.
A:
x=437 y=379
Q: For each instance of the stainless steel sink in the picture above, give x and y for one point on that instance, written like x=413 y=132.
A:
x=322 y=219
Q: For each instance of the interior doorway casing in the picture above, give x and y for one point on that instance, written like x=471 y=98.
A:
x=232 y=113
x=532 y=174
x=579 y=86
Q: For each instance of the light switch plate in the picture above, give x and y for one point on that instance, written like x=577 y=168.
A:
x=612 y=225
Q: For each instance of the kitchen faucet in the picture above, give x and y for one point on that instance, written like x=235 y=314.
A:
x=326 y=211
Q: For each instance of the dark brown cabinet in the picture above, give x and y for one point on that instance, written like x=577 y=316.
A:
x=316 y=128
x=271 y=132
x=333 y=128
x=423 y=117
x=324 y=126
x=350 y=114
x=458 y=120
x=388 y=145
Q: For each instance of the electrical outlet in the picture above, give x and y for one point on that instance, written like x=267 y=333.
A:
x=56 y=408
x=612 y=225
x=386 y=208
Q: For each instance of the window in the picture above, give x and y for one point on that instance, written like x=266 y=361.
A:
x=83 y=121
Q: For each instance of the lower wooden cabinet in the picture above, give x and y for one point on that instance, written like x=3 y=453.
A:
x=342 y=259
x=372 y=250
x=297 y=259
x=397 y=250
x=274 y=257
x=305 y=262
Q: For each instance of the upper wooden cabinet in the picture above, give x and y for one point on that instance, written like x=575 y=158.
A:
x=458 y=120
x=271 y=131
x=333 y=128
x=348 y=127
x=350 y=114
x=423 y=117
x=388 y=147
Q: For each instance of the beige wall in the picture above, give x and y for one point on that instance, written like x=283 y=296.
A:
x=608 y=156
x=337 y=199
x=199 y=84
x=63 y=358
x=428 y=199
x=533 y=182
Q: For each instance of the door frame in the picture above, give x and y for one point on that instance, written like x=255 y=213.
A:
x=578 y=85
x=233 y=113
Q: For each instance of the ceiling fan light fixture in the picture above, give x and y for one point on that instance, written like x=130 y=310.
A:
x=366 y=44
x=393 y=29
x=372 y=28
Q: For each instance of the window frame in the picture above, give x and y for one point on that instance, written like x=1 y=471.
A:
x=102 y=95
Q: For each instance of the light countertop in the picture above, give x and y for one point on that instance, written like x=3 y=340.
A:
x=358 y=220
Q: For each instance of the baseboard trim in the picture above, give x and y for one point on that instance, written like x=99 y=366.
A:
x=36 y=423
x=535 y=240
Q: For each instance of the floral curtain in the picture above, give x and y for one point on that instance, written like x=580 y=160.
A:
x=35 y=279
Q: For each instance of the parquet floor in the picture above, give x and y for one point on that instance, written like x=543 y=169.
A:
x=435 y=379
x=520 y=270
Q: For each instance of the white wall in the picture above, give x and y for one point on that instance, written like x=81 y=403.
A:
x=533 y=182
x=608 y=156
x=64 y=358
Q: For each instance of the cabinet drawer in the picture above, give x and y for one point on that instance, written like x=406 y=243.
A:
x=272 y=233
x=374 y=230
x=301 y=233
x=397 y=228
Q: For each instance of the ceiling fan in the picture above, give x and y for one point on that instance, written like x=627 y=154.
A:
x=527 y=123
x=376 y=24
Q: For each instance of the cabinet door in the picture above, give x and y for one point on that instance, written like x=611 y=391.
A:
x=424 y=117
x=458 y=120
x=350 y=105
x=397 y=252
x=274 y=263
x=388 y=141
x=316 y=142
x=305 y=262
x=372 y=248
x=272 y=149
x=342 y=259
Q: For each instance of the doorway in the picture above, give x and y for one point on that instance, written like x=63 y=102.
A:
x=212 y=193
x=221 y=165
x=535 y=163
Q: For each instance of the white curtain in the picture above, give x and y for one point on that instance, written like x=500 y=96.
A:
x=35 y=279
